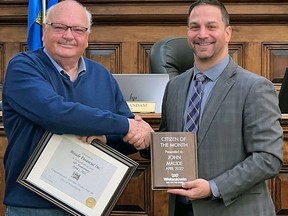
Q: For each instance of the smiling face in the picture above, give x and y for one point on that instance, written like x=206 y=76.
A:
x=68 y=45
x=208 y=35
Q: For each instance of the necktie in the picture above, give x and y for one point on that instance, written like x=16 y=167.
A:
x=193 y=115
x=193 y=111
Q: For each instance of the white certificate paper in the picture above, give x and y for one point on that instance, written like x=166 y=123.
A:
x=83 y=179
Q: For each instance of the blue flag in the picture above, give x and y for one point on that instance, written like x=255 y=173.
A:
x=34 y=30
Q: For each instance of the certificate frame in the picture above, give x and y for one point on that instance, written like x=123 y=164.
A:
x=84 y=161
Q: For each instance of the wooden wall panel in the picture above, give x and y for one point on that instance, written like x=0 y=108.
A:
x=108 y=54
x=281 y=181
x=236 y=51
x=275 y=59
x=3 y=144
x=281 y=191
x=2 y=63
x=136 y=195
x=143 y=57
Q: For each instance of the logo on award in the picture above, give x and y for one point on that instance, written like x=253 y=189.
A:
x=90 y=202
x=174 y=175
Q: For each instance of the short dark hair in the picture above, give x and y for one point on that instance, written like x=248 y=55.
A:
x=216 y=3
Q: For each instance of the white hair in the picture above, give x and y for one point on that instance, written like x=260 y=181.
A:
x=88 y=14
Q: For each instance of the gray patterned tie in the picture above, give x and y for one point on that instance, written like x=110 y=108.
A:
x=193 y=111
x=193 y=115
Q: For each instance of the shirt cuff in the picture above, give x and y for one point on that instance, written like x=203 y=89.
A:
x=214 y=189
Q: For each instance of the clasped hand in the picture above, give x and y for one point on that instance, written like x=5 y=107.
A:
x=139 y=134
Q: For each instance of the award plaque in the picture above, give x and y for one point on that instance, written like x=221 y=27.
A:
x=80 y=178
x=173 y=159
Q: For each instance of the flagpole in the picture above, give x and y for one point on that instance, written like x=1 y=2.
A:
x=43 y=10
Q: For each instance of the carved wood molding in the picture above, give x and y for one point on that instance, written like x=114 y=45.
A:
x=148 y=1
x=154 y=12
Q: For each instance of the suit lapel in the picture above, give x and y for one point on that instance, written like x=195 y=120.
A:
x=181 y=99
x=220 y=90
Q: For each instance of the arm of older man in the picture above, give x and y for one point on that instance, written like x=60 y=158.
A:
x=139 y=134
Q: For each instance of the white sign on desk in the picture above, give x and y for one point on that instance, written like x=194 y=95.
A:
x=143 y=87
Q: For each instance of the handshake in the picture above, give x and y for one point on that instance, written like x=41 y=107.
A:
x=139 y=134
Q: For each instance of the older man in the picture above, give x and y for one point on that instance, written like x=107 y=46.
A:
x=55 y=88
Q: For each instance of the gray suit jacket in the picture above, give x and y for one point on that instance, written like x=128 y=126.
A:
x=239 y=140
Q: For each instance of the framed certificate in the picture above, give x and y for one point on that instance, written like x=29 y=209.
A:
x=80 y=178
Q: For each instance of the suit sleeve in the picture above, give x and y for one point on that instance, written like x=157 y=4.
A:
x=263 y=141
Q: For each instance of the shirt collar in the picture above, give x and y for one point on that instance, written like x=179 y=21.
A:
x=214 y=72
x=81 y=68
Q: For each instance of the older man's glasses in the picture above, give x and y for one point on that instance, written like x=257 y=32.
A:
x=61 y=28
